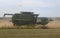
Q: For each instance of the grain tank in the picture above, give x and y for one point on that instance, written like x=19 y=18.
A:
x=24 y=18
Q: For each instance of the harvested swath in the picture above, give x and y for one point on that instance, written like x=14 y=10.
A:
x=53 y=24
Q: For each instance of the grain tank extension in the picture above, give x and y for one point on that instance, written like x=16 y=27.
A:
x=24 y=18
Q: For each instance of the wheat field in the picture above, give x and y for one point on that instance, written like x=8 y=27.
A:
x=29 y=33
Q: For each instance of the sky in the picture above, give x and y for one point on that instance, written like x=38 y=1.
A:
x=45 y=8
